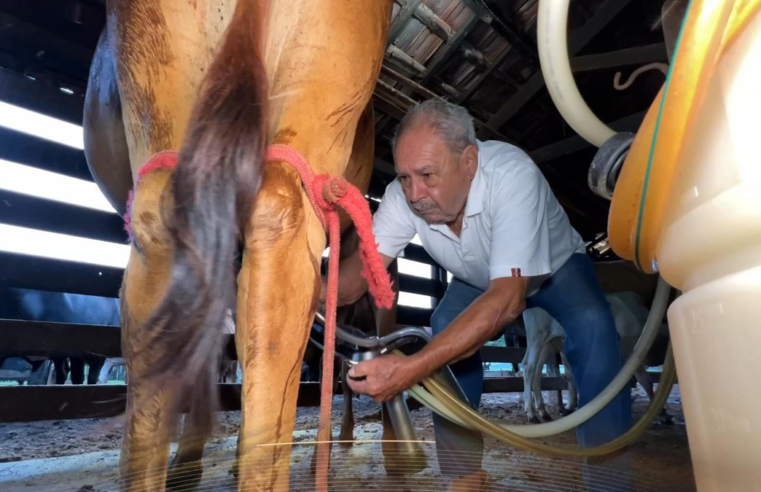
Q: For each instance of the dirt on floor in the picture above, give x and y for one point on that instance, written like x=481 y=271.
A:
x=660 y=459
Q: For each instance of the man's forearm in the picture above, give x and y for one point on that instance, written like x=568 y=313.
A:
x=479 y=323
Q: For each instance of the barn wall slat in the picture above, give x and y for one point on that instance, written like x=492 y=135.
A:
x=412 y=316
x=513 y=355
x=40 y=97
x=52 y=216
x=414 y=252
x=80 y=278
x=30 y=272
x=422 y=286
x=43 y=154
x=71 y=402
x=58 y=339
x=34 y=272
x=42 y=338
x=59 y=402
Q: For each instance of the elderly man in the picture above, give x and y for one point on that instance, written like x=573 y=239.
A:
x=485 y=213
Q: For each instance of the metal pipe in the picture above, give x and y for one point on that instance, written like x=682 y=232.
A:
x=345 y=334
x=389 y=343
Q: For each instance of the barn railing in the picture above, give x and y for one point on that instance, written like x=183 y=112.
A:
x=33 y=338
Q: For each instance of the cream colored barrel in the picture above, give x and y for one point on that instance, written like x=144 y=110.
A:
x=709 y=247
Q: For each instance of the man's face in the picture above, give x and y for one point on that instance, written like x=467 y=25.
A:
x=435 y=180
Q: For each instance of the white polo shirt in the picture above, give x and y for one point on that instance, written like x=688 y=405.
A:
x=513 y=225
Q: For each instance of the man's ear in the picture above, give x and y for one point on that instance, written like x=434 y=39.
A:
x=470 y=160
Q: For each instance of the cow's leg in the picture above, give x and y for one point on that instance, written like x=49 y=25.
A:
x=77 y=370
x=530 y=363
x=94 y=365
x=528 y=404
x=537 y=383
x=186 y=469
x=162 y=50
x=105 y=371
x=272 y=329
x=572 y=395
x=644 y=379
x=323 y=59
x=61 y=365
x=147 y=431
x=347 y=424
x=553 y=371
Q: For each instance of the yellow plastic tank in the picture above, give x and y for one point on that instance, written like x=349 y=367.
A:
x=688 y=204
x=709 y=247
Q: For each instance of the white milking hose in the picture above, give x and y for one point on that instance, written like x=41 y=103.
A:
x=551 y=34
x=646 y=339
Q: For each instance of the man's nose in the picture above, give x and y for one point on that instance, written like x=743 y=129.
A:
x=417 y=191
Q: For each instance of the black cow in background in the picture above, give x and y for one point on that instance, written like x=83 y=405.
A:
x=34 y=305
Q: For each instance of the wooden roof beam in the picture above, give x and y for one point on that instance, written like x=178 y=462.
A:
x=408 y=10
x=434 y=22
x=620 y=58
x=576 y=143
x=389 y=100
x=446 y=50
x=506 y=28
x=578 y=40
x=40 y=97
x=400 y=56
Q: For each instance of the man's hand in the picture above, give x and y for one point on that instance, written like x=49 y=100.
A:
x=384 y=377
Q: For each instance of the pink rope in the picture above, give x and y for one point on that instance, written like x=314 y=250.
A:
x=160 y=160
x=324 y=193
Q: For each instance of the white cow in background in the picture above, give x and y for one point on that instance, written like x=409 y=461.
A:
x=544 y=337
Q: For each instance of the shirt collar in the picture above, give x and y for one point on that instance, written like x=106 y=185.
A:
x=477 y=193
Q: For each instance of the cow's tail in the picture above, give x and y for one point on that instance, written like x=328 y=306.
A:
x=213 y=189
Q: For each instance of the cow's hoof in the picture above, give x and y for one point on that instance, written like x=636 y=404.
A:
x=566 y=411
x=546 y=417
x=666 y=419
x=346 y=441
x=534 y=420
x=184 y=476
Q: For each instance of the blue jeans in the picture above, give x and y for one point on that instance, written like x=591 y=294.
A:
x=574 y=297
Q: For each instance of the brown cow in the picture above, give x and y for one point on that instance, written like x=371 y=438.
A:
x=218 y=82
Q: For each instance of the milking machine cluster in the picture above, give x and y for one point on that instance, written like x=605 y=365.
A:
x=353 y=346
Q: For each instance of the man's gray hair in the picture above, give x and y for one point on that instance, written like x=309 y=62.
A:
x=451 y=122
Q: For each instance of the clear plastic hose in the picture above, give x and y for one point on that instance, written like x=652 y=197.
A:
x=552 y=33
x=434 y=396
x=460 y=413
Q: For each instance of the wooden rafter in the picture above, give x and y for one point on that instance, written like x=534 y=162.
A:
x=621 y=58
x=578 y=40
x=576 y=143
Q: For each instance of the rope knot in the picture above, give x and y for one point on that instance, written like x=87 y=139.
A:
x=324 y=193
x=334 y=189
